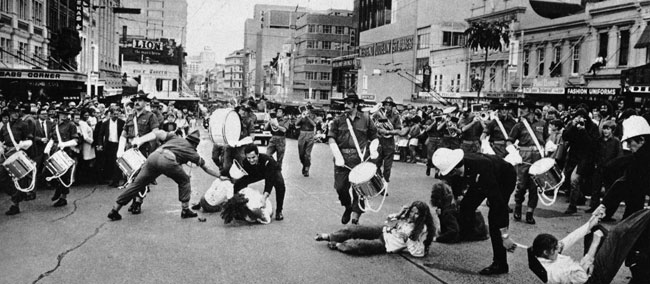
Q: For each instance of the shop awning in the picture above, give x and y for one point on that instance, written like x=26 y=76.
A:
x=644 y=40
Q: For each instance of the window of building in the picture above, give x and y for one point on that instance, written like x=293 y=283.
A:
x=325 y=61
x=174 y=85
x=540 y=61
x=156 y=4
x=435 y=82
x=324 y=95
x=327 y=29
x=420 y=62
x=493 y=78
x=575 y=59
x=526 y=61
x=311 y=75
x=23 y=9
x=38 y=51
x=423 y=37
x=154 y=23
x=440 y=85
x=312 y=44
x=556 y=66
x=624 y=47
x=155 y=14
x=311 y=61
x=453 y=39
x=5 y=5
x=603 y=41
x=340 y=30
x=37 y=12
x=312 y=29
x=324 y=76
x=326 y=45
x=457 y=83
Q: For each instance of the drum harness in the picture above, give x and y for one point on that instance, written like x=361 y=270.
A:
x=137 y=134
x=361 y=154
x=16 y=184
x=540 y=191
x=74 y=165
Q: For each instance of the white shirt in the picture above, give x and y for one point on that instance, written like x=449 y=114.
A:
x=112 y=131
x=564 y=270
x=396 y=239
x=44 y=126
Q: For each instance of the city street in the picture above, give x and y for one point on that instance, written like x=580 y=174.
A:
x=78 y=244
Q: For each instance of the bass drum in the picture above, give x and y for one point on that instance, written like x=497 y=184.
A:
x=216 y=195
x=225 y=127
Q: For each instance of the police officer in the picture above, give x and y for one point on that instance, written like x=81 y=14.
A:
x=263 y=167
x=486 y=176
x=346 y=154
x=278 y=127
x=139 y=123
x=388 y=125
x=166 y=160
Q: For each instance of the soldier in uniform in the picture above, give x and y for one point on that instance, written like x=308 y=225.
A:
x=278 y=127
x=498 y=128
x=65 y=137
x=307 y=127
x=388 y=125
x=21 y=136
x=139 y=123
x=346 y=155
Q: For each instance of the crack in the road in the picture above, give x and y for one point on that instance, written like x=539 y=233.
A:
x=63 y=254
x=74 y=210
x=423 y=269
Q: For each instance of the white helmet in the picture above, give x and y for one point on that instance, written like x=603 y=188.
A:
x=635 y=126
x=445 y=159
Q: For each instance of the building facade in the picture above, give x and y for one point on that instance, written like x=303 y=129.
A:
x=319 y=38
x=234 y=74
x=158 y=19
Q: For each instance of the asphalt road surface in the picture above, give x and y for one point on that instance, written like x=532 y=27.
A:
x=78 y=244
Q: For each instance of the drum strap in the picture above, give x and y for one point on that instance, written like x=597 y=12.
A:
x=58 y=134
x=135 y=125
x=532 y=135
x=11 y=135
x=503 y=129
x=354 y=138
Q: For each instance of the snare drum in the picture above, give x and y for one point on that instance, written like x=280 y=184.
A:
x=547 y=177
x=59 y=163
x=131 y=162
x=225 y=127
x=19 y=165
x=365 y=180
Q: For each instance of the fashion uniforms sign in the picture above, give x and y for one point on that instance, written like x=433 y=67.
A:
x=387 y=47
x=593 y=91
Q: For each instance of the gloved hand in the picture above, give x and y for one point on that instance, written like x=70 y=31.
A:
x=136 y=142
x=66 y=144
x=25 y=144
x=513 y=158
x=338 y=157
x=374 y=149
x=511 y=149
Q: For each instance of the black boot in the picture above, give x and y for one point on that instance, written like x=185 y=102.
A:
x=114 y=215
x=187 y=213
x=517 y=213
x=494 y=269
x=13 y=210
x=529 y=218
x=428 y=171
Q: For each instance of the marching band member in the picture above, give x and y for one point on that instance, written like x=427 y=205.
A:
x=166 y=160
x=307 y=127
x=278 y=127
x=64 y=137
x=435 y=130
x=146 y=123
x=529 y=154
x=223 y=156
x=345 y=149
x=388 y=125
x=487 y=176
x=263 y=167
x=471 y=128
x=15 y=136
x=497 y=130
x=412 y=230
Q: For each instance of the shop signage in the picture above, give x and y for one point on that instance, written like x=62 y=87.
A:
x=387 y=47
x=502 y=95
x=544 y=90
x=41 y=75
x=149 y=51
x=367 y=97
x=593 y=91
x=147 y=44
x=79 y=15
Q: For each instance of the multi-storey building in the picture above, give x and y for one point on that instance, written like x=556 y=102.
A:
x=265 y=34
x=234 y=74
x=319 y=38
x=398 y=38
x=158 y=19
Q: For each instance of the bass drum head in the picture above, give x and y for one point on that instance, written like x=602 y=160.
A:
x=225 y=127
x=362 y=172
x=541 y=166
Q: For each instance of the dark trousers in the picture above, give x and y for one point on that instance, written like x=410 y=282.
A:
x=305 y=145
x=360 y=240
x=161 y=162
x=471 y=146
x=342 y=183
x=277 y=144
x=432 y=143
x=225 y=155
x=386 y=153
x=625 y=190
x=499 y=148
x=111 y=170
x=498 y=213
x=275 y=179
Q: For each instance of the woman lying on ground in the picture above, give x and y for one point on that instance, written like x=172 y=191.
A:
x=411 y=229
x=451 y=230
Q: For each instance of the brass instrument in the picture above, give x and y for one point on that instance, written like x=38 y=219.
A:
x=383 y=122
x=450 y=125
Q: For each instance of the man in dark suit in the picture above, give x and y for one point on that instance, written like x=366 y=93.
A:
x=42 y=135
x=109 y=137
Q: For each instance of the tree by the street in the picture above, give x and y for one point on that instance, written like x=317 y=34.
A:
x=486 y=35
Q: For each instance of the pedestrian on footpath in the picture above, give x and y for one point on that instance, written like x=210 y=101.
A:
x=166 y=160
x=351 y=137
x=484 y=176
